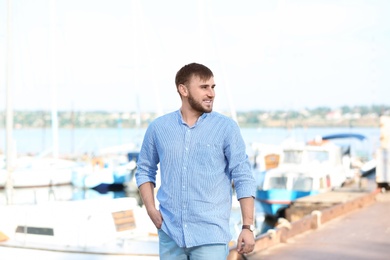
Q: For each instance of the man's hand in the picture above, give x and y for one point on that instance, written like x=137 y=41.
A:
x=156 y=217
x=147 y=194
x=245 y=242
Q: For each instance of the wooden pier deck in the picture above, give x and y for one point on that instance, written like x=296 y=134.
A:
x=350 y=223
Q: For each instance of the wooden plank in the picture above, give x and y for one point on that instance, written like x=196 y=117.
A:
x=124 y=220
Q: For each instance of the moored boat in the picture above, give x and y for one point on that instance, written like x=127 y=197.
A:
x=305 y=169
x=39 y=172
x=110 y=169
x=104 y=228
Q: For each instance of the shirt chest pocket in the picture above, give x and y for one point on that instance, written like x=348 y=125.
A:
x=209 y=154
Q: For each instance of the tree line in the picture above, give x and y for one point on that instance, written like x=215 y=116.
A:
x=320 y=116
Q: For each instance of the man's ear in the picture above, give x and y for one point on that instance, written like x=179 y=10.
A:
x=183 y=90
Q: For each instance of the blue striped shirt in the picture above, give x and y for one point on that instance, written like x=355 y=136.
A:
x=197 y=165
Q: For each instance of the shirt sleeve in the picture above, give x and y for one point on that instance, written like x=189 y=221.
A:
x=239 y=165
x=147 y=159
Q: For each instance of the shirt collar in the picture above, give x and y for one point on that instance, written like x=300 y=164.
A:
x=200 y=119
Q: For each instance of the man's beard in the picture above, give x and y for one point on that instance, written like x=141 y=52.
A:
x=198 y=106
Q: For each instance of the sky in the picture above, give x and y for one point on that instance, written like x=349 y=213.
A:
x=118 y=55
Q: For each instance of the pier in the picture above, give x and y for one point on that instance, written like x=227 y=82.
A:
x=348 y=223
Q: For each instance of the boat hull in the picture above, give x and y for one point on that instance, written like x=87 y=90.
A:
x=274 y=201
x=104 y=227
x=39 y=172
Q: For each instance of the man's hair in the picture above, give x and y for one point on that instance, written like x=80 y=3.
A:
x=192 y=69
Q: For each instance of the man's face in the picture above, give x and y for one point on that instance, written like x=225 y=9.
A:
x=201 y=94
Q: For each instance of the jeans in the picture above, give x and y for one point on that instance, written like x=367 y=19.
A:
x=169 y=250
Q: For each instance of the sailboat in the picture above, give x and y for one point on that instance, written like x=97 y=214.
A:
x=32 y=171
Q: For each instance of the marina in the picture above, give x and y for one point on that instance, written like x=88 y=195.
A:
x=72 y=195
x=83 y=81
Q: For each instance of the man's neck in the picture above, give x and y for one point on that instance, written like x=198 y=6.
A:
x=190 y=116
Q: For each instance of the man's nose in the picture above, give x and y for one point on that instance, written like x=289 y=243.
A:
x=211 y=92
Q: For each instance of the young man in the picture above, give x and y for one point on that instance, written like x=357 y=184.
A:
x=201 y=154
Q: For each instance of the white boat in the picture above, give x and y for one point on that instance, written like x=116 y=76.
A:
x=103 y=228
x=305 y=169
x=38 y=172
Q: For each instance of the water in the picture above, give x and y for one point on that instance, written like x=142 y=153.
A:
x=80 y=141
x=71 y=141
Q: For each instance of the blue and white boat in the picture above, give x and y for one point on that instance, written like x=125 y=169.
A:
x=304 y=169
x=113 y=169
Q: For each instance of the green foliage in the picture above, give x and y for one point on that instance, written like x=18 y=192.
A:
x=106 y=119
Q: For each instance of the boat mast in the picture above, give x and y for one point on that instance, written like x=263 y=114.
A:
x=53 y=77
x=135 y=19
x=9 y=110
x=204 y=14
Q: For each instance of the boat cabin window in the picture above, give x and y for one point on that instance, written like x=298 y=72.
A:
x=292 y=156
x=35 y=230
x=302 y=183
x=317 y=156
x=278 y=182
